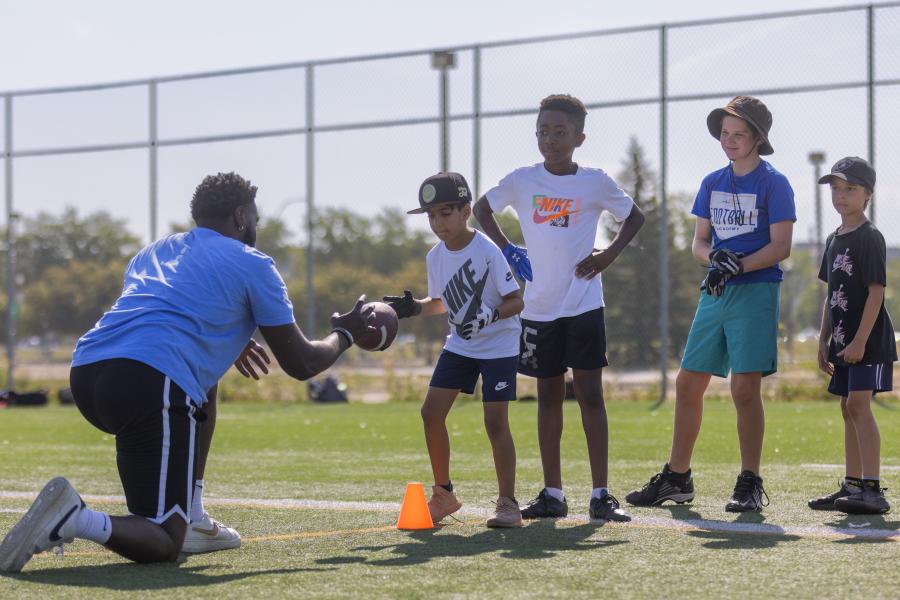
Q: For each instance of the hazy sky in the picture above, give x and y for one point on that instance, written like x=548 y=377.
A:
x=57 y=43
x=51 y=43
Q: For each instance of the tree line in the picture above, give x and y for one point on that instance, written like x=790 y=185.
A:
x=70 y=266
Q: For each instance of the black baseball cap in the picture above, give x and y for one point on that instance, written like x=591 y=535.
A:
x=852 y=169
x=446 y=187
x=753 y=110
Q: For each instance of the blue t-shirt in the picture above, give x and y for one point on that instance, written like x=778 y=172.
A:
x=741 y=209
x=189 y=305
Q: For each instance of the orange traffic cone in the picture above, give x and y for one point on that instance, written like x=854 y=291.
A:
x=414 y=512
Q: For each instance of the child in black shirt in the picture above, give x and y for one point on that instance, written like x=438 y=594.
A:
x=856 y=340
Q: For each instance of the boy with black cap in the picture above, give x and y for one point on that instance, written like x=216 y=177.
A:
x=745 y=215
x=856 y=340
x=469 y=279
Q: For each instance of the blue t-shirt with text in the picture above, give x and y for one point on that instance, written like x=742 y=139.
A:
x=741 y=209
x=189 y=305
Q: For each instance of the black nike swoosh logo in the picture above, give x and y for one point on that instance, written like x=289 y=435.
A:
x=475 y=304
x=54 y=534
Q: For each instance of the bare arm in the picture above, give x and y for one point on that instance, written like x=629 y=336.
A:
x=702 y=245
x=485 y=217
x=302 y=358
x=599 y=260
x=432 y=306
x=512 y=304
x=825 y=339
x=299 y=357
x=777 y=250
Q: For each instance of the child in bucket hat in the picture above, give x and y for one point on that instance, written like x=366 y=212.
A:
x=745 y=214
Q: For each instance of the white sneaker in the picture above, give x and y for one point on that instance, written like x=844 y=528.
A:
x=208 y=535
x=51 y=521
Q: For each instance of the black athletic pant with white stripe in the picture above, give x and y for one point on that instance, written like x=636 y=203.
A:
x=155 y=424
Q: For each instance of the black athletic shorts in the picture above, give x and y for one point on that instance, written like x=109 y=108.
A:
x=155 y=425
x=548 y=348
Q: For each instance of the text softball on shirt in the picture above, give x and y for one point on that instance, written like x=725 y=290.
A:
x=465 y=280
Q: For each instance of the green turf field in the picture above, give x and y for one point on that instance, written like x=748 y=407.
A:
x=341 y=471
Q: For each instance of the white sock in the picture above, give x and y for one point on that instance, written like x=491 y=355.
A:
x=555 y=493
x=93 y=525
x=197 y=510
x=600 y=492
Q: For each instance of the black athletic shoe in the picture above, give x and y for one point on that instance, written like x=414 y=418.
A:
x=661 y=487
x=545 y=506
x=869 y=500
x=607 y=509
x=748 y=494
x=827 y=502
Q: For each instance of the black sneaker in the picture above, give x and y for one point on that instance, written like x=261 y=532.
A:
x=545 y=506
x=748 y=494
x=827 y=502
x=607 y=509
x=869 y=500
x=661 y=487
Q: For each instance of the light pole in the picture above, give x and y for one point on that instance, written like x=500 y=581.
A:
x=443 y=62
x=817 y=158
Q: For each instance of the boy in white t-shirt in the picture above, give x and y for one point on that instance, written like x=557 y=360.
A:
x=469 y=279
x=559 y=204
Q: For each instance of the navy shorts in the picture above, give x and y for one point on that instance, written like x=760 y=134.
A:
x=549 y=348
x=457 y=372
x=156 y=426
x=878 y=377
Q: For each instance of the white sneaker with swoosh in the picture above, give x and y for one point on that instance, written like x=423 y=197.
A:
x=208 y=535
x=51 y=521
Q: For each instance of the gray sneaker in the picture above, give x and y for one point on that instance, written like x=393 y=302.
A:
x=51 y=520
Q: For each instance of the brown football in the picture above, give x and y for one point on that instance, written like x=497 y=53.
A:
x=386 y=324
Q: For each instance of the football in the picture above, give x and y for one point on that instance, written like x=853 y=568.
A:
x=386 y=324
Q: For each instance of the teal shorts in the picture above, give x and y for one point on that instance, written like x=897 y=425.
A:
x=736 y=332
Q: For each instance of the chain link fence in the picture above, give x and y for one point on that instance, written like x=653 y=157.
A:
x=362 y=132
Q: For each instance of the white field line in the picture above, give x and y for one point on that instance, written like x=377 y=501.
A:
x=837 y=467
x=860 y=529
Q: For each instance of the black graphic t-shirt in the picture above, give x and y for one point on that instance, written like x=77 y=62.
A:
x=852 y=262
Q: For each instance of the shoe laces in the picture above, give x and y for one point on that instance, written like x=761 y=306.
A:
x=652 y=482
x=745 y=487
x=541 y=498
x=611 y=500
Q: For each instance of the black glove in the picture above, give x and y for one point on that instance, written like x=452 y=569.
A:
x=405 y=305
x=354 y=323
x=726 y=261
x=714 y=283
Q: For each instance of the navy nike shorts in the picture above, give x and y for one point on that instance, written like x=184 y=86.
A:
x=456 y=372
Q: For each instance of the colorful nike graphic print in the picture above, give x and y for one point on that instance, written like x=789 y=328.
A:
x=558 y=212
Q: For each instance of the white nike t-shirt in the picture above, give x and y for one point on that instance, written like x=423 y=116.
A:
x=464 y=280
x=559 y=216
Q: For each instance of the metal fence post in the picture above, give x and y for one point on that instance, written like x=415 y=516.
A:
x=663 y=221
x=11 y=300
x=310 y=325
x=154 y=172
x=476 y=120
x=870 y=89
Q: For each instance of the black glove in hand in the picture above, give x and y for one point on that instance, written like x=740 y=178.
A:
x=356 y=322
x=726 y=261
x=405 y=305
x=714 y=284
